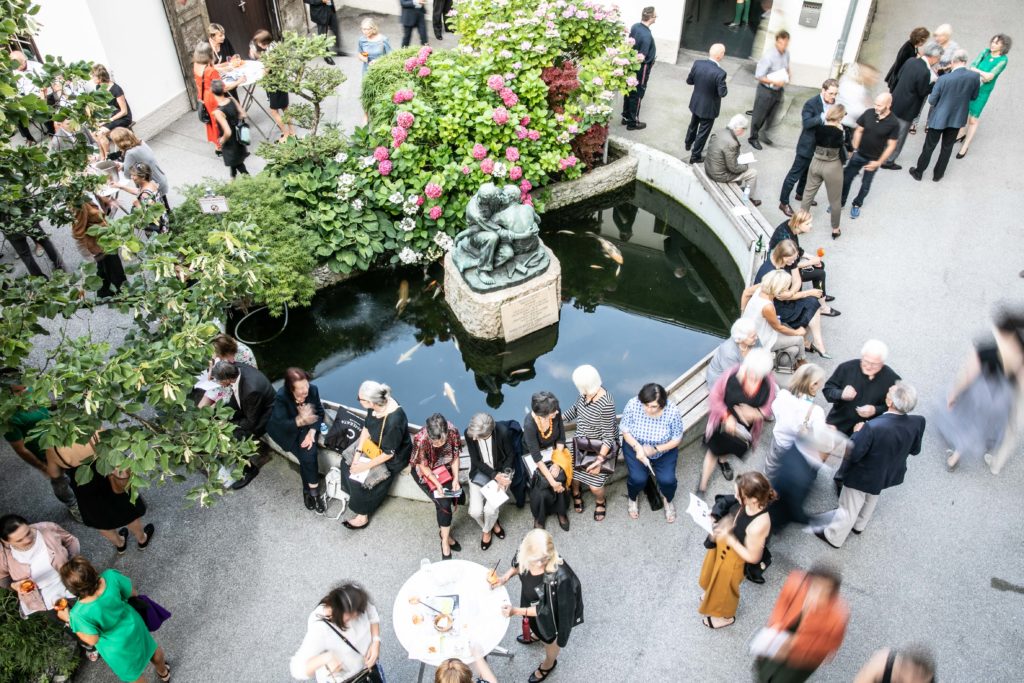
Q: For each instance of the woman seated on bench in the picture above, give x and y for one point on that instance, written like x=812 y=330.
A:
x=812 y=268
x=786 y=256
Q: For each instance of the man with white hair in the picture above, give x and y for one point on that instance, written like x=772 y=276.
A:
x=731 y=352
x=857 y=389
x=722 y=160
x=708 y=80
x=877 y=460
x=950 y=102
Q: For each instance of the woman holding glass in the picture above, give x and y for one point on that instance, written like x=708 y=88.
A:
x=651 y=432
x=491 y=457
x=597 y=433
x=373 y=45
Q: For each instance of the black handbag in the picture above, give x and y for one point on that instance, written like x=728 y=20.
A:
x=204 y=116
x=374 y=674
x=653 y=494
x=588 y=451
x=344 y=430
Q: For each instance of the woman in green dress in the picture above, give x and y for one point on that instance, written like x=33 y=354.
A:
x=989 y=64
x=103 y=617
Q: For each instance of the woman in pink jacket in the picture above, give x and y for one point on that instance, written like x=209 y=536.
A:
x=31 y=556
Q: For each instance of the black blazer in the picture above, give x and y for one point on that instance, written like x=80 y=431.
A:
x=411 y=14
x=912 y=88
x=282 y=427
x=708 y=81
x=880 y=449
x=907 y=51
x=257 y=403
x=504 y=452
x=319 y=12
x=811 y=117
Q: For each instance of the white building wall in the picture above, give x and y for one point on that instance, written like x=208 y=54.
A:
x=812 y=49
x=133 y=40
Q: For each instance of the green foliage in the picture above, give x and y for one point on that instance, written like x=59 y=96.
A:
x=292 y=65
x=32 y=650
x=284 y=156
x=284 y=274
x=385 y=75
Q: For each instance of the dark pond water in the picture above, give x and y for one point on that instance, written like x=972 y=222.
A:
x=673 y=300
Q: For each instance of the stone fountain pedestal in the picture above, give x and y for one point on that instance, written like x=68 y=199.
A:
x=510 y=313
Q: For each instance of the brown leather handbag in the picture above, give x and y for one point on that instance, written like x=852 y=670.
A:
x=588 y=451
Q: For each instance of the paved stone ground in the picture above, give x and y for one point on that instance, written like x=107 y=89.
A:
x=922 y=268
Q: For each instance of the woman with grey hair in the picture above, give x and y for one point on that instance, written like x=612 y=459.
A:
x=731 y=352
x=543 y=433
x=596 y=441
x=492 y=455
x=383 y=442
x=737 y=406
x=435 y=468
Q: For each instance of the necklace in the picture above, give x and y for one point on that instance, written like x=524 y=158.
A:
x=540 y=429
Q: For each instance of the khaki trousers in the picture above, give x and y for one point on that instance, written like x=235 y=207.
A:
x=854 y=513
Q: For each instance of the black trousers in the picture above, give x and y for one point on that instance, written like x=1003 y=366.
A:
x=240 y=168
x=111 y=271
x=765 y=102
x=631 y=105
x=815 y=275
x=332 y=24
x=544 y=501
x=948 y=136
x=24 y=252
x=441 y=10
x=797 y=176
x=853 y=167
x=421 y=28
x=443 y=506
x=697 y=136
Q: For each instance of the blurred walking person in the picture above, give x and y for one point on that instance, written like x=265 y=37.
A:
x=912 y=664
x=342 y=639
x=325 y=15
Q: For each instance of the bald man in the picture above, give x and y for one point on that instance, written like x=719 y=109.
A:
x=873 y=142
x=708 y=80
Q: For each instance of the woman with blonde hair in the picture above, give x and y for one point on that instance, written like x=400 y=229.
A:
x=812 y=268
x=758 y=305
x=135 y=151
x=595 y=444
x=122 y=113
x=551 y=603
x=827 y=165
x=373 y=45
x=739 y=540
x=795 y=413
x=456 y=671
x=223 y=51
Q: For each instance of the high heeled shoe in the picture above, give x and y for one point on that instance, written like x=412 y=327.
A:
x=836 y=234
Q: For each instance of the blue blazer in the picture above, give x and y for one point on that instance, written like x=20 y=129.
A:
x=708 y=81
x=811 y=117
x=880 y=449
x=951 y=97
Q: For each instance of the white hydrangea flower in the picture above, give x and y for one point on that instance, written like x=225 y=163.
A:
x=407 y=224
x=500 y=170
x=357 y=204
x=408 y=256
x=396 y=198
x=341 y=157
x=367 y=161
x=444 y=241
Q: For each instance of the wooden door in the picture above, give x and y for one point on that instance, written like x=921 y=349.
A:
x=241 y=20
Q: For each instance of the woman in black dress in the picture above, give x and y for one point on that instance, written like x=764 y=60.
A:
x=122 y=113
x=812 y=268
x=544 y=432
x=551 y=601
x=386 y=442
x=227 y=115
x=294 y=424
x=112 y=514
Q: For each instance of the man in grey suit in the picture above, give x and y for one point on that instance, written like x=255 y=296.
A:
x=722 y=161
x=949 y=102
x=708 y=80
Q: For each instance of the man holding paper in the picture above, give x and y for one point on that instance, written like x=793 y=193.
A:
x=722 y=163
x=492 y=457
x=772 y=74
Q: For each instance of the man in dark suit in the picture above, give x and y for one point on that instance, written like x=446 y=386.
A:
x=252 y=398
x=645 y=47
x=876 y=461
x=708 y=81
x=912 y=88
x=325 y=16
x=949 y=102
x=414 y=15
x=440 y=16
x=813 y=115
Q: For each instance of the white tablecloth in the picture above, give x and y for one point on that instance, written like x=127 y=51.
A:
x=250 y=68
x=478 y=618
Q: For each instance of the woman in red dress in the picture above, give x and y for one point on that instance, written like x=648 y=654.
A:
x=205 y=73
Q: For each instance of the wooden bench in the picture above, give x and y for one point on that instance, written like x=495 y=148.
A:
x=754 y=227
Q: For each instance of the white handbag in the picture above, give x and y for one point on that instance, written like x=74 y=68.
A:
x=332 y=486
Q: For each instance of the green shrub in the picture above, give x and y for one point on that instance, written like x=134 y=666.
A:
x=32 y=650
x=380 y=82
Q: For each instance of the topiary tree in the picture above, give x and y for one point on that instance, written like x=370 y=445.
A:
x=292 y=65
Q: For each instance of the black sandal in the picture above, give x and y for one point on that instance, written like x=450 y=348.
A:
x=600 y=510
x=577 y=503
x=123 y=548
x=544 y=673
x=498 y=531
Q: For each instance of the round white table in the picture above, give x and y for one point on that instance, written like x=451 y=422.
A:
x=478 y=617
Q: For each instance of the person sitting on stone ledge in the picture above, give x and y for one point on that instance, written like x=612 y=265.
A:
x=731 y=352
x=435 y=469
x=721 y=161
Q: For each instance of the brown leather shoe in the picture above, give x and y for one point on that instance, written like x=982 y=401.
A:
x=786 y=209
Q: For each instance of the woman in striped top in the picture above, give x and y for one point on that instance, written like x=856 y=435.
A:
x=594 y=415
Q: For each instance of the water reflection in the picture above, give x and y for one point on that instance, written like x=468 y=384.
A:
x=668 y=305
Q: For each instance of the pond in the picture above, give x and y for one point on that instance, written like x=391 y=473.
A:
x=671 y=302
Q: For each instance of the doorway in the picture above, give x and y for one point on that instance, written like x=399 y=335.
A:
x=241 y=20
x=705 y=22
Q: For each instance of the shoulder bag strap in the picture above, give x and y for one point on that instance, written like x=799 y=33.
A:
x=381 y=437
x=341 y=635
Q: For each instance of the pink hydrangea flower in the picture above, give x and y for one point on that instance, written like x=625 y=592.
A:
x=398 y=135
x=424 y=52
x=405 y=119
x=533 y=135
x=521 y=132
x=423 y=72
x=479 y=151
x=526 y=199
x=384 y=167
x=500 y=116
x=631 y=81
x=495 y=82
x=598 y=81
x=525 y=121
x=487 y=166
x=573 y=129
x=432 y=190
x=465 y=170
x=403 y=95
x=567 y=162
x=381 y=154
x=512 y=154
x=525 y=186
x=410 y=64
x=515 y=173
x=435 y=212
x=419 y=200
x=508 y=97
